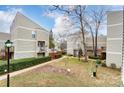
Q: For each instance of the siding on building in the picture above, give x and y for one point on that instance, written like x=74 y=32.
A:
x=21 y=35
x=74 y=42
x=3 y=38
x=114 y=38
x=76 y=39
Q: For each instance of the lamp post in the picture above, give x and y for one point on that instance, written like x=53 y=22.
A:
x=8 y=45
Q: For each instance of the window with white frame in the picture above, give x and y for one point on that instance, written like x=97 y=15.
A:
x=33 y=34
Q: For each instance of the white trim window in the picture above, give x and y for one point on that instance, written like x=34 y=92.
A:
x=33 y=34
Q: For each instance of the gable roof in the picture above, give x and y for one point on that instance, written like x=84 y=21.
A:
x=22 y=20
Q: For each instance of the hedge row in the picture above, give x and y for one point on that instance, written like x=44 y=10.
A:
x=23 y=63
x=94 y=57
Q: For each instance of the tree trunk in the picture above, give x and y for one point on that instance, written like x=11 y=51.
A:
x=93 y=44
x=95 y=52
x=85 y=51
x=84 y=44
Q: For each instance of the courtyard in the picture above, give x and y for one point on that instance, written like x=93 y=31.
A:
x=67 y=72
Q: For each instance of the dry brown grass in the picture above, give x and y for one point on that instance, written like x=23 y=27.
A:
x=57 y=75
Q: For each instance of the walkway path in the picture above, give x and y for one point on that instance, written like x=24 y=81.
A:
x=28 y=69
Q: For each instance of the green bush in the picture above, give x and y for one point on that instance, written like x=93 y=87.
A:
x=98 y=61
x=94 y=57
x=104 y=64
x=113 y=65
x=23 y=63
x=70 y=55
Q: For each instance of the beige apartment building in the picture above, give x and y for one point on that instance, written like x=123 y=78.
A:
x=29 y=39
x=114 y=38
x=74 y=42
x=3 y=38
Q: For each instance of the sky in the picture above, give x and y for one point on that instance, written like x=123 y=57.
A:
x=41 y=16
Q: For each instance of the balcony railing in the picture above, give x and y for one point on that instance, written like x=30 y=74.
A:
x=41 y=49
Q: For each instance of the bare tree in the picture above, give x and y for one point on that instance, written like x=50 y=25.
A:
x=62 y=39
x=51 y=40
x=89 y=26
x=77 y=14
x=98 y=17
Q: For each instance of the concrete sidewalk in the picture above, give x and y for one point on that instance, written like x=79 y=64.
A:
x=12 y=74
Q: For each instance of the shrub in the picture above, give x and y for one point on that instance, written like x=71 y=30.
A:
x=113 y=65
x=69 y=55
x=23 y=63
x=98 y=61
x=94 y=57
x=103 y=56
x=103 y=63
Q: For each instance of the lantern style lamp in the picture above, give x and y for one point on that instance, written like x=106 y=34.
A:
x=8 y=45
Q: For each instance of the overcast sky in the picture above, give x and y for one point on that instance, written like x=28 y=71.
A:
x=40 y=15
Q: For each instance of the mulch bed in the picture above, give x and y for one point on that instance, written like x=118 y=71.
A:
x=53 y=69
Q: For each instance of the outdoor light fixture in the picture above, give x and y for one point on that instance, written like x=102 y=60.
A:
x=8 y=45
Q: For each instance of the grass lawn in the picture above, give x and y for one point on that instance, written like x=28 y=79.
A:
x=57 y=74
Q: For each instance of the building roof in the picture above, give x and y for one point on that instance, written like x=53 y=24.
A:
x=22 y=20
x=4 y=36
x=78 y=33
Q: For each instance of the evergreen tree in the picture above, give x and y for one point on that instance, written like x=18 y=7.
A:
x=51 y=40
